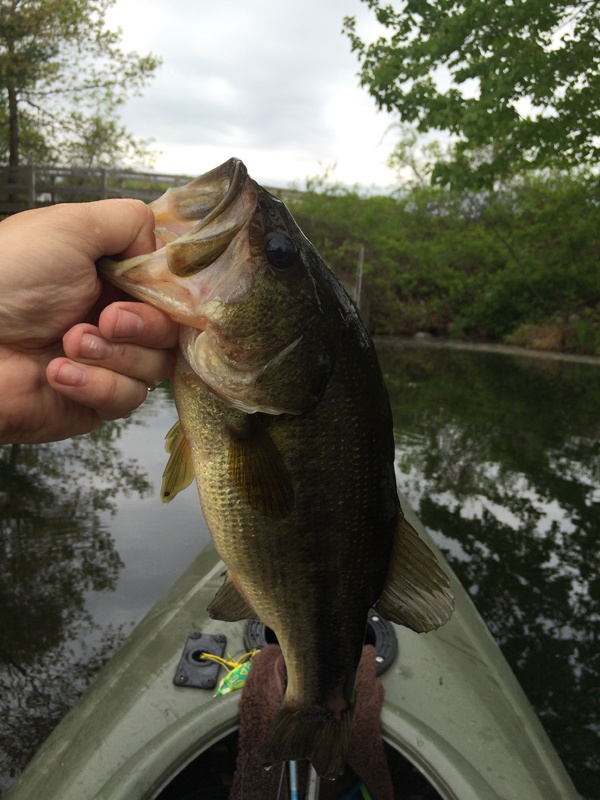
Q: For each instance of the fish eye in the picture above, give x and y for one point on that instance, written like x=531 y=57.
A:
x=280 y=251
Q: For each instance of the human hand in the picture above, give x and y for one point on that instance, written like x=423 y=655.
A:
x=61 y=376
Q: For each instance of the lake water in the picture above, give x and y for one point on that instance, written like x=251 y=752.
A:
x=499 y=455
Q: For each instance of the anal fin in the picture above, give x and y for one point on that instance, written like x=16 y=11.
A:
x=229 y=605
x=417 y=592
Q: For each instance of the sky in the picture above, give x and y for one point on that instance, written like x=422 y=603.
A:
x=272 y=82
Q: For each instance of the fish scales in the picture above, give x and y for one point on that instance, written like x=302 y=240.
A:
x=286 y=425
x=318 y=558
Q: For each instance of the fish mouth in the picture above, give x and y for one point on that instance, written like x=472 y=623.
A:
x=203 y=198
x=211 y=231
x=195 y=225
x=204 y=216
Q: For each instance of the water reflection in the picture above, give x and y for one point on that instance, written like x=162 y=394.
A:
x=55 y=547
x=500 y=457
x=84 y=553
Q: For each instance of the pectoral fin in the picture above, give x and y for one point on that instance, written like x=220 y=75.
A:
x=417 y=592
x=229 y=605
x=258 y=471
x=179 y=472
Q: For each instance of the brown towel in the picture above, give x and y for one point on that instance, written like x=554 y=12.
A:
x=261 y=697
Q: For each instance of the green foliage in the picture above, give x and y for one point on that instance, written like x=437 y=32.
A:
x=62 y=78
x=514 y=83
x=475 y=265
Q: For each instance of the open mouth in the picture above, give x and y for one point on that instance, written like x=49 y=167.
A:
x=203 y=198
x=197 y=222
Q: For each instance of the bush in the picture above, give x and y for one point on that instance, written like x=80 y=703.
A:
x=468 y=265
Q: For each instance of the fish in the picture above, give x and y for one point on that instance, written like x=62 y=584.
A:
x=285 y=423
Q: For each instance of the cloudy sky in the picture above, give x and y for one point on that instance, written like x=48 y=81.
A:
x=270 y=81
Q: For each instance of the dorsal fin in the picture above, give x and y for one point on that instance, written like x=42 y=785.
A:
x=179 y=472
x=417 y=592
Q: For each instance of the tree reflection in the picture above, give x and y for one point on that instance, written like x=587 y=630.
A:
x=55 y=546
x=501 y=459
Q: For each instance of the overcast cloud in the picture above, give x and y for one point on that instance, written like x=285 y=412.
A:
x=270 y=81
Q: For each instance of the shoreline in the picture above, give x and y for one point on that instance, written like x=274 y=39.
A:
x=487 y=347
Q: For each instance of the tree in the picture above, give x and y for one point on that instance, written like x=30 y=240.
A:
x=61 y=69
x=103 y=142
x=514 y=82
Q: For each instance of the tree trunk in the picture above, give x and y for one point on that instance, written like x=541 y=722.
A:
x=13 y=127
x=13 y=143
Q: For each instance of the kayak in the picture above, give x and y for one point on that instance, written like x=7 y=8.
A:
x=453 y=710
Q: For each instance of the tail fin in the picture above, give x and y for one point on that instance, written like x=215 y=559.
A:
x=312 y=733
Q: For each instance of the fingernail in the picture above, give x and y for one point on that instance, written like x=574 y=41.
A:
x=94 y=347
x=127 y=325
x=70 y=375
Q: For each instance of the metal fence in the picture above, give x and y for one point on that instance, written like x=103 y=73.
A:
x=33 y=186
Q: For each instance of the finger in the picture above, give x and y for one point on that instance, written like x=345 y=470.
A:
x=84 y=344
x=122 y=227
x=109 y=394
x=108 y=294
x=138 y=323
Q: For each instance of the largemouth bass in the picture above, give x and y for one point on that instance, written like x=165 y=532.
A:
x=284 y=420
